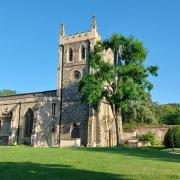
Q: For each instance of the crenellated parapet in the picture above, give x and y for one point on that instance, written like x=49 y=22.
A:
x=80 y=37
x=92 y=34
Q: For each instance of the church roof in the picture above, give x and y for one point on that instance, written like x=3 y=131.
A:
x=31 y=94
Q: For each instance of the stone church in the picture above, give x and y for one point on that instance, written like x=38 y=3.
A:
x=58 y=118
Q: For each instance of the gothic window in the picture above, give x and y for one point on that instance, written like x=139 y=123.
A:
x=29 y=116
x=70 y=54
x=75 y=131
x=53 y=109
x=83 y=53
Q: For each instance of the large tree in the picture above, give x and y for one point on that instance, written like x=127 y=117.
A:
x=119 y=82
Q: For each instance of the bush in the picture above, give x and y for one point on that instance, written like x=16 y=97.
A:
x=172 y=135
x=149 y=137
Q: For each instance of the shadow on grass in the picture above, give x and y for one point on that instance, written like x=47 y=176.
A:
x=34 y=171
x=138 y=152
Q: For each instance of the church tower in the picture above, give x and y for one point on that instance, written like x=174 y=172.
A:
x=73 y=64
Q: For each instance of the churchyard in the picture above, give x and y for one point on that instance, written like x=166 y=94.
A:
x=24 y=162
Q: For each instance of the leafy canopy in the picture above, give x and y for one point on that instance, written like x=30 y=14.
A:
x=132 y=83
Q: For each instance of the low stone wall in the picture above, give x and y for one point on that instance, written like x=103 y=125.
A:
x=134 y=133
x=76 y=142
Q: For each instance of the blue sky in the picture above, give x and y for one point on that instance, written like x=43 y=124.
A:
x=29 y=33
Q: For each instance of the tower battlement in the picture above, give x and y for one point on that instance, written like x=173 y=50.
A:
x=92 y=34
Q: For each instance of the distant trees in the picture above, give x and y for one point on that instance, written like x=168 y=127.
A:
x=172 y=118
x=7 y=92
x=152 y=113
x=143 y=112
x=170 y=114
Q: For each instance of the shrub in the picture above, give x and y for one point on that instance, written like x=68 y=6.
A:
x=172 y=135
x=149 y=137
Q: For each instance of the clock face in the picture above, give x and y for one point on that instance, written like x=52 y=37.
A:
x=76 y=75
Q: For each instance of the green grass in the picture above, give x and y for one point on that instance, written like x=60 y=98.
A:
x=21 y=163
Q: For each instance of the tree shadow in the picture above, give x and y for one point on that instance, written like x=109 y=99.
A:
x=34 y=171
x=146 y=153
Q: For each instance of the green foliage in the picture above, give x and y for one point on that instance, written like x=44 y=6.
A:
x=91 y=90
x=172 y=118
x=132 y=49
x=170 y=114
x=132 y=84
x=149 y=137
x=140 y=112
x=7 y=92
x=172 y=136
x=120 y=82
x=149 y=112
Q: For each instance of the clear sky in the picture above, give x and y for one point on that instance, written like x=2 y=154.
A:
x=29 y=33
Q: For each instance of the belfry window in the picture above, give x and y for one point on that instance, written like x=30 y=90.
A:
x=70 y=55
x=83 y=53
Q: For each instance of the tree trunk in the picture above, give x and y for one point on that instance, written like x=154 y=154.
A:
x=116 y=110
x=119 y=128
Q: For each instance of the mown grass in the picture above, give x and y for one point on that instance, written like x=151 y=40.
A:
x=23 y=163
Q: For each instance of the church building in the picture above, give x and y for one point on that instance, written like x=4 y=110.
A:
x=58 y=118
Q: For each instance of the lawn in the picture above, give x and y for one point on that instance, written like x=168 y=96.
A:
x=21 y=163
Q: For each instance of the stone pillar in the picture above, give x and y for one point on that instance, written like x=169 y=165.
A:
x=98 y=131
x=14 y=126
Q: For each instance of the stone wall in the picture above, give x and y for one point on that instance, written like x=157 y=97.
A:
x=47 y=124
x=72 y=110
x=107 y=125
x=44 y=125
x=76 y=142
x=134 y=133
x=101 y=127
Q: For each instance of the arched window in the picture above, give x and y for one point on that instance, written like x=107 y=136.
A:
x=70 y=54
x=29 y=116
x=83 y=53
x=75 y=131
